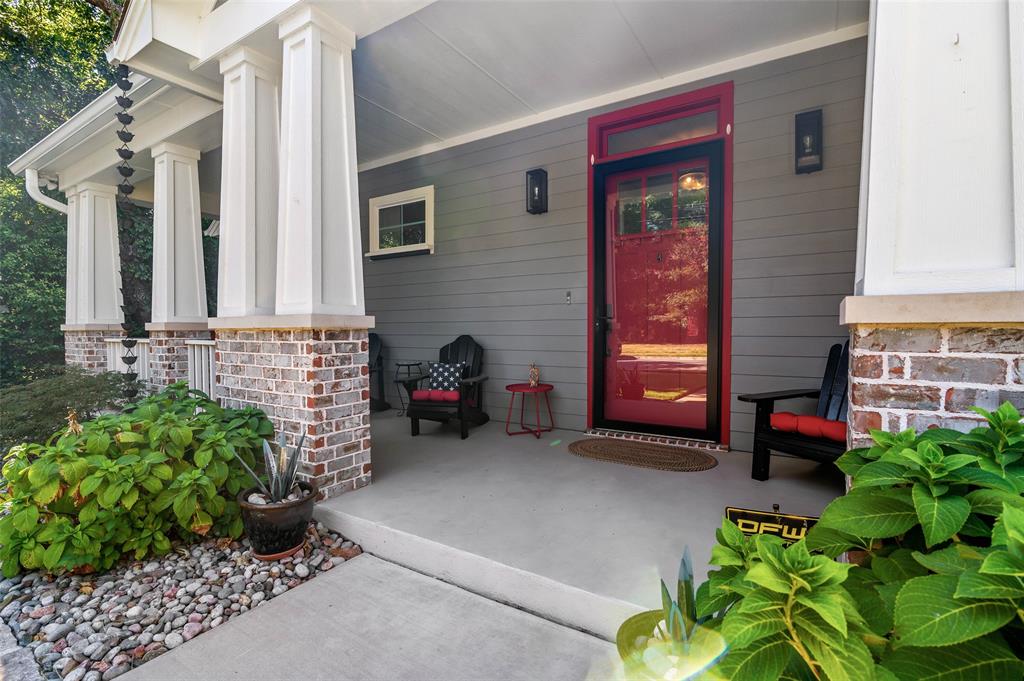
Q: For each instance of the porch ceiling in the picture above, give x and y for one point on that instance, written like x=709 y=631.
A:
x=456 y=67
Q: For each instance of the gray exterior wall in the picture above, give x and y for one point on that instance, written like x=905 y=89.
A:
x=502 y=275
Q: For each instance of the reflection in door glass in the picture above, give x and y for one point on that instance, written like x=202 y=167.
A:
x=659 y=202
x=630 y=207
x=693 y=197
x=656 y=367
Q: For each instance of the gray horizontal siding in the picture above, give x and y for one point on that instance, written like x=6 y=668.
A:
x=502 y=275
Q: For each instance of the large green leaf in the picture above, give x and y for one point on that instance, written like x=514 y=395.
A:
x=871 y=514
x=25 y=520
x=851 y=661
x=744 y=628
x=990 y=501
x=1003 y=563
x=928 y=613
x=830 y=542
x=770 y=578
x=763 y=661
x=881 y=474
x=948 y=561
x=897 y=567
x=47 y=492
x=973 y=584
x=983 y=659
x=828 y=604
x=941 y=517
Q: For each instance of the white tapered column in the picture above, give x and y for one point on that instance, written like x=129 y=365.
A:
x=319 y=259
x=93 y=297
x=179 y=280
x=94 y=274
x=249 y=186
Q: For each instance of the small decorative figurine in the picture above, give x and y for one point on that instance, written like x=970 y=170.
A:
x=534 y=375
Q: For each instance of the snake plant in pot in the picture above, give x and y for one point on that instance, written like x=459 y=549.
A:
x=276 y=514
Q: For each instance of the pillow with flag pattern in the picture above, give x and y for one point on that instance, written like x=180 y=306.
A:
x=446 y=376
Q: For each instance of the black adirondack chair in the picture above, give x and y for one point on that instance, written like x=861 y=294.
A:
x=376 y=362
x=469 y=408
x=831 y=398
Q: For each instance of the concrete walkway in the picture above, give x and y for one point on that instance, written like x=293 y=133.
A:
x=369 y=619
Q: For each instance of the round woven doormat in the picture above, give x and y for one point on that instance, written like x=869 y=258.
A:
x=644 y=454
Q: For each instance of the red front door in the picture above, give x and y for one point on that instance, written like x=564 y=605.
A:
x=656 y=366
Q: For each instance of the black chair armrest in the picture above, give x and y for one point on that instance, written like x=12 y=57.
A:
x=779 y=395
x=411 y=382
x=472 y=380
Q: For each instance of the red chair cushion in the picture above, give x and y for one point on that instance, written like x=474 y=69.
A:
x=809 y=425
x=435 y=395
x=833 y=430
x=785 y=421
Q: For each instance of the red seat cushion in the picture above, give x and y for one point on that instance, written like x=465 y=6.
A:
x=809 y=425
x=833 y=430
x=435 y=395
x=785 y=421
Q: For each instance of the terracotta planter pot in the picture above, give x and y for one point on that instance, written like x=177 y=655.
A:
x=277 y=530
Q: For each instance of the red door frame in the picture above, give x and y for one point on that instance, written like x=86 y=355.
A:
x=718 y=97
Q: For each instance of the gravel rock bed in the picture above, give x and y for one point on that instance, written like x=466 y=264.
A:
x=96 y=627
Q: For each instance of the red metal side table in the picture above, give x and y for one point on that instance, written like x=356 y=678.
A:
x=524 y=389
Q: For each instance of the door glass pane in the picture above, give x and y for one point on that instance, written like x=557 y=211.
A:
x=630 y=207
x=656 y=363
x=659 y=202
x=693 y=197
x=675 y=130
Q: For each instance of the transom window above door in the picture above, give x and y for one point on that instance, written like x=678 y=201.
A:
x=662 y=200
x=402 y=223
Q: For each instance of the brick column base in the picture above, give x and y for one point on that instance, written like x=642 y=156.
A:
x=168 y=354
x=87 y=348
x=929 y=376
x=310 y=381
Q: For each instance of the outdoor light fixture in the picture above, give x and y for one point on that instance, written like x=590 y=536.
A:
x=808 y=142
x=536 y=191
x=693 y=181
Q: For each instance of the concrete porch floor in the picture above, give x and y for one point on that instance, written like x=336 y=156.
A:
x=523 y=521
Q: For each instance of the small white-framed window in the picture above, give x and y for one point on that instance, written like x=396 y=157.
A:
x=402 y=223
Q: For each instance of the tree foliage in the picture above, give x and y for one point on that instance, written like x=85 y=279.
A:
x=51 y=64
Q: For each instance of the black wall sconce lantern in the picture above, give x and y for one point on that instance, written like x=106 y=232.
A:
x=809 y=143
x=536 y=191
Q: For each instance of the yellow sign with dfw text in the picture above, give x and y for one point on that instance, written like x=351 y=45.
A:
x=791 y=528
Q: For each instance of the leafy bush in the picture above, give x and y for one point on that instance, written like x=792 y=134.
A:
x=934 y=524
x=128 y=483
x=34 y=411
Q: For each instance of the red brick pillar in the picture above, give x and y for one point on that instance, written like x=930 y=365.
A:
x=85 y=344
x=168 y=352
x=930 y=375
x=312 y=381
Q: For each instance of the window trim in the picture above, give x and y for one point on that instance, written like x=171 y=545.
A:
x=377 y=203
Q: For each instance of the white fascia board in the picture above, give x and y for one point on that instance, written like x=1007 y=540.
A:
x=148 y=133
x=232 y=22
x=136 y=32
x=99 y=112
x=675 y=80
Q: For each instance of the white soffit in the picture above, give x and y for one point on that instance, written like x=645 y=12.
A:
x=459 y=70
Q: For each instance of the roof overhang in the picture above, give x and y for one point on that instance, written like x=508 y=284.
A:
x=83 y=148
